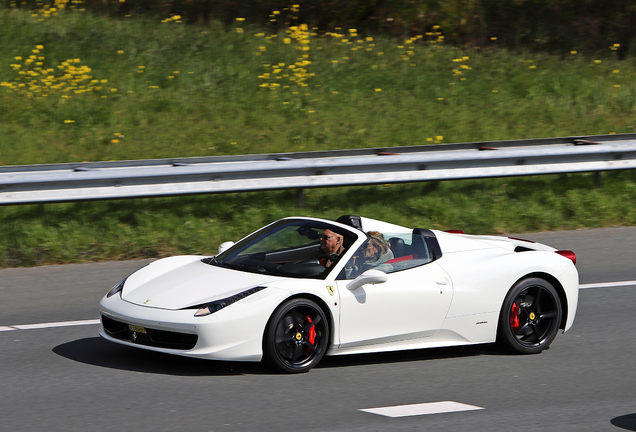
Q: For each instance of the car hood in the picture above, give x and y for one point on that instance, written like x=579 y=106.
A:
x=179 y=282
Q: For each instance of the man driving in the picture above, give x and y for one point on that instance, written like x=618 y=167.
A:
x=331 y=246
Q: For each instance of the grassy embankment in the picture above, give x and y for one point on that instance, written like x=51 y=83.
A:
x=135 y=88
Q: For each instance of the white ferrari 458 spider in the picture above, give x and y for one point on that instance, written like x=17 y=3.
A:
x=301 y=288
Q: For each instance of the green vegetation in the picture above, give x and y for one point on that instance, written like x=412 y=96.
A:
x=97 y=88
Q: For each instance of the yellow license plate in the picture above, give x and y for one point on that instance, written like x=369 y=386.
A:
x=137 y=329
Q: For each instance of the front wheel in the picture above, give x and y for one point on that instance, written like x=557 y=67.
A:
x=296 y=337
x=530 y=316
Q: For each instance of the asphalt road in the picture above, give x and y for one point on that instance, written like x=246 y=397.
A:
x=68 y=379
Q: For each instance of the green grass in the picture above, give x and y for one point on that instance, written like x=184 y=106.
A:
x=173 y=90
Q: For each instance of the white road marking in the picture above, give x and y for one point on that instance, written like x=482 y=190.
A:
x=50 y=325
x=607 y=284
x=421 y=409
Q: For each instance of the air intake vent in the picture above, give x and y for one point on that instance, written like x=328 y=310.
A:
x=522 y=249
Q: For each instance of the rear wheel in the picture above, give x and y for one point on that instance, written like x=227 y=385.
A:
x=296 y=337
x=530 y=316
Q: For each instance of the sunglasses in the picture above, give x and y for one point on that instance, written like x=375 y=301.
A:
x=325 y=237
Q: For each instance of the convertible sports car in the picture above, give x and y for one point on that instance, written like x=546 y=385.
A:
x=277 y=296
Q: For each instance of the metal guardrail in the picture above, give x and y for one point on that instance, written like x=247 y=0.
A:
x=48 y=183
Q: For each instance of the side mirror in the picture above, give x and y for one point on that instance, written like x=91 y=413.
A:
x=372 y=277
x=225 y=246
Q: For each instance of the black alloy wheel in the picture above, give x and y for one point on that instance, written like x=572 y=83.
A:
x=296 y=337
x=530 y=316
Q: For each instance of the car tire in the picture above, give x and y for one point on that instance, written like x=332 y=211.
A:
x=530 y=316
x=296 y=337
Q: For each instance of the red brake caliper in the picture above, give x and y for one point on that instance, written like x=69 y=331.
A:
x=514 y=316
x=312 y=332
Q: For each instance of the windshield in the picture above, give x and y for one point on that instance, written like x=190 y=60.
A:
x=290 y=247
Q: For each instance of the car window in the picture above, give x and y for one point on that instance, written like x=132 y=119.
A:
x=405 y=251
x=290 y=247
x=287 y=237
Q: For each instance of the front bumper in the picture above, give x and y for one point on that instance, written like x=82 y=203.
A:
x=234 y=333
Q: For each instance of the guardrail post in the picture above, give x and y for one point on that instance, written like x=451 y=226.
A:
x=598 y=178
x=300 y=194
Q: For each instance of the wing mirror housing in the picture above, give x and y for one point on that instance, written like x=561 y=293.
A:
x=372 y=277
x=225 y=246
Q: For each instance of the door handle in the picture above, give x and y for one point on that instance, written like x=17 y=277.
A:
x=442 y=282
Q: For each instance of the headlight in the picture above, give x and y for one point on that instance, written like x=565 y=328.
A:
x=217 y=305
x=117 y=288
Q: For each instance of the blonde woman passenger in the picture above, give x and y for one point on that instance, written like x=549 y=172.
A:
x=372 y=255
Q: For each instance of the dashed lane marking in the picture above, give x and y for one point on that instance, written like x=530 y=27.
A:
x=421 y=409
x=607 y=284
x=49 y=325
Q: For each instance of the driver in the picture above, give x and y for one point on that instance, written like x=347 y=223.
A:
x=331 y=246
